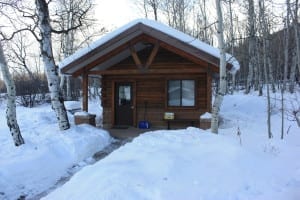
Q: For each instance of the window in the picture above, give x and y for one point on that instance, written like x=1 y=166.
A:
x=124 y=95
x=181 y=93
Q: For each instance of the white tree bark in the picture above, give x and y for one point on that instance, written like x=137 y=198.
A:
x=259 y=72
x=251 y=48
x=204 y=13
x=232 y=41
x=11 y=115
x=222 y=89
x=293 y=72
x=286 y=45
x=264 y=32
x=68 y=42
x=269 y=62
x=282 y=113
x=176 y=12
x=48 y=60
x=296 y=30
x=296 y=52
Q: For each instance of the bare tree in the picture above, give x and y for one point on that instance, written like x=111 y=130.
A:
x=177 y=13
x=150 y=8
x=264 y=33
x=232 y=41
x=269 y=60
x=154 y=6
x=259 y=70
x=203 y=13
x=282 y=113
x=38 y=23
x=296 y=53
x=18 y=54
x=296 y=28
x=202 y=28
x=222 y=89
x=67 y=14
x=286 y=44
x=49 y=63
x=251 y=48
x=11 y=115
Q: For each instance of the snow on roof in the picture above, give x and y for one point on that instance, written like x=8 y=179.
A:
x=160 y=27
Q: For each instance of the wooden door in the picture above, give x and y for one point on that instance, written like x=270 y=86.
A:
x=124 y=104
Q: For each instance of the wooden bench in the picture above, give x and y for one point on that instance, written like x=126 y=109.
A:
x=191 y=121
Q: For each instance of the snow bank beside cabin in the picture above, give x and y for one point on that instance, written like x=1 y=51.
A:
x=160 y=27
x=197 y=165
x=185 y=164
x=48 y=153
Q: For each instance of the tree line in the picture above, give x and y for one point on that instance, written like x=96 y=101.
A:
x=263 y=35
x=264 y=40
x=63 y=18
x=247 y=25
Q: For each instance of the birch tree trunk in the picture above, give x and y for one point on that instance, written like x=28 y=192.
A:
x=11 y=115
x=260 y=73
x=269 y=62
x=222 y=89
x=293 y=72
x=264 y=32
x=282 y=113
x=48 y=60
x=256 y=70
x=296 y=30
x=251 y=48
x=68 y=42
x=204 y=13
x=69 y=50
x=154 y=5
x=232 y=41
x=286 y=45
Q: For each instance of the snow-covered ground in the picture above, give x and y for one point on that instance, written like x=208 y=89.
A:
x=195 y=164
x=48 y=154
x=176 y=164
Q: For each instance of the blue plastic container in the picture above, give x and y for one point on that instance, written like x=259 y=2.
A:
x=144 y=125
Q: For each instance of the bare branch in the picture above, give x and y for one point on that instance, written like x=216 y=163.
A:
x=4 y=37
x=81 y=15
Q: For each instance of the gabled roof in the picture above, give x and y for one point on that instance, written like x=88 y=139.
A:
x=116 y=42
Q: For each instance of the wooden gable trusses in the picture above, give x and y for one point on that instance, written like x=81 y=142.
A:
x=143 y=67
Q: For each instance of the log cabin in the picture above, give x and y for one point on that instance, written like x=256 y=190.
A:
x=148 y=69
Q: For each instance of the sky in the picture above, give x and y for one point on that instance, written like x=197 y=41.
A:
x=115 y=13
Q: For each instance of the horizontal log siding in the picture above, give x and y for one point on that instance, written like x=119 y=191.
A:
x=106 y=102
x=152 y=89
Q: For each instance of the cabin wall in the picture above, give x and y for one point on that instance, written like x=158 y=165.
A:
x=152 y=89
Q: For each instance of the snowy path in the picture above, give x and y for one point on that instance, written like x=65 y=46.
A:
x=115 y=144
x=48 y=154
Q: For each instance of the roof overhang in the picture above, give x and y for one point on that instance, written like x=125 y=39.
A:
x=115 y=47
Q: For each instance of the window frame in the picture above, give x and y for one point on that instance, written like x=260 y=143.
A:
x=181 y=106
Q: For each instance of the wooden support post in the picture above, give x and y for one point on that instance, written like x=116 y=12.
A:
x=208 y=86
x=135 y=57
x=152 y=55
x=85 y=83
